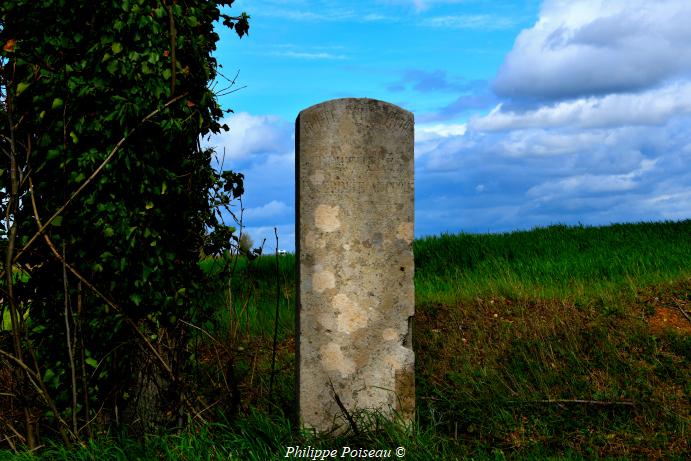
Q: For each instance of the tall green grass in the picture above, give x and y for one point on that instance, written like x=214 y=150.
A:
x=254 y=286
x=580 y=264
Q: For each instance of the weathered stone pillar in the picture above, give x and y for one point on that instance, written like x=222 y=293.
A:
x=356 y=299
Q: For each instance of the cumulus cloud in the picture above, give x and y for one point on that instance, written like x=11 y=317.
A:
x=251 y=135
x=274 y=208
x=426 y=132
x=652 y=107
x=594 y=47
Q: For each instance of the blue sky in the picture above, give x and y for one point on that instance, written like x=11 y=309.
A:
x=528 y=112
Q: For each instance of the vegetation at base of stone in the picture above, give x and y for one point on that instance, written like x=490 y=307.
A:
x=107 y=201
x=259 y=437
x=525 y=378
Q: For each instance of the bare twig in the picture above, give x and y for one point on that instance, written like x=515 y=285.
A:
x=587 y=402
x=273 y=350
x=16 y=433
x=344 y=410
x=68 y=338
x=681 y=309
x=173 y=45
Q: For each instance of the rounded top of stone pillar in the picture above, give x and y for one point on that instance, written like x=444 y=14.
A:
x=362 y=102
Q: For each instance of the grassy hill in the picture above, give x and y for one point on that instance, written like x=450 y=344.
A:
x=556 y=343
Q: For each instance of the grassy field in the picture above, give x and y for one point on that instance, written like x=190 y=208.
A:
x=557 y=343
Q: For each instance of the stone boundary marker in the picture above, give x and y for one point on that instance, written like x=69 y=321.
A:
x=354 y=234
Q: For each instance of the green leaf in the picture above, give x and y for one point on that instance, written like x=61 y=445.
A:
x=57 y=102
x=74 y=137
x=57 y=222
x=146 y=271
x=52 y=153
x=21 y=86
x=112 y=66
x=91 y=362
x=136 y=299
x=49 y=376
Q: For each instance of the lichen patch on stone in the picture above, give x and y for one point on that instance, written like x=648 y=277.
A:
x=333 y=360
x=393 y=361
x=317 y=178
x=351 y=317
x=313 y=242
x=326 y=218
x=405 y=232
x=389 y=334
x=323 y=280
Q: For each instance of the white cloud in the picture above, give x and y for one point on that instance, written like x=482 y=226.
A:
x=589 y=47
x=425 y=132
x=321 y=55
x=251 y=135
x=269 y=210
x=587 y=184
x=470 y=21
x=652 y=107
x=672 y=206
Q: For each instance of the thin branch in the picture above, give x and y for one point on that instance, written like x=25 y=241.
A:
x=225 y=92
x=273 y=349
x=202 y=330
x=681 y=309
x=173 y=46
x=68 y=338
x=585 y=402
x=344 y=410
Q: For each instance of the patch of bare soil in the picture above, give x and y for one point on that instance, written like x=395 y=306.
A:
x=671 y=309
x=667 y=318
